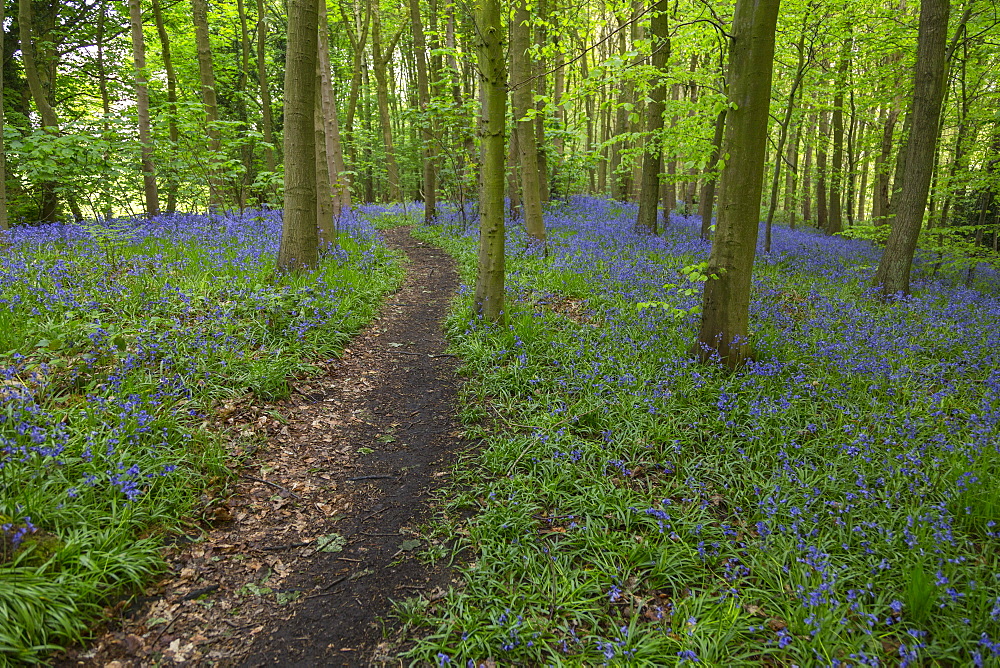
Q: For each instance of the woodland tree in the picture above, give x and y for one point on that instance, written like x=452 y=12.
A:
x=725 y=313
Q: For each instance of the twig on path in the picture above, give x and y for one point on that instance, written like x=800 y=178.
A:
x=278 y=548
x=444 y=355
x=274 y=485
x=191 y=595
x=378 y=535
x=370 y=477
x=332 y=584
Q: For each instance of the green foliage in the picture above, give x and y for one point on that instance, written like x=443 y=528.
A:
x=696 y=275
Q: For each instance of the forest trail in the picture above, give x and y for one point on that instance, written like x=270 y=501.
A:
x=321 y=532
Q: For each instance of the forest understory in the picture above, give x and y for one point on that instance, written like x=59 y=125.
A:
x=598 y=498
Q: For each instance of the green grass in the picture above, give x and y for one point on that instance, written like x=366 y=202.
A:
x=112 y=363
x=630 y=507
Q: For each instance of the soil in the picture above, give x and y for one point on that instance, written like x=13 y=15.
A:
x=299 y=565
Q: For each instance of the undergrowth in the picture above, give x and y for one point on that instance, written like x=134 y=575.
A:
x=832 y=503
x=116 y=341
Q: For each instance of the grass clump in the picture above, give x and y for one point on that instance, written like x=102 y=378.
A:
x=832 y=503
x=116 y=341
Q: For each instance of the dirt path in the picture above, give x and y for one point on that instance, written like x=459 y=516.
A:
x=319 y=537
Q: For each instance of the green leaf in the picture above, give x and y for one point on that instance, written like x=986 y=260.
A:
x=333 y=542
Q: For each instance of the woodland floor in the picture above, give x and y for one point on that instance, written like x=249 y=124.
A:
x=320 y=532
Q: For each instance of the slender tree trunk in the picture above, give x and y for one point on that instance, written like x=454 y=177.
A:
x=298 y=232
x=142 y=109
x=514 y=175
x=881 y=206
x=429 y=173
x=380 y=68
x=725 y=313
x=835 y=222
x=489 y=295
x=822 y=213
x=324 y=179
x=50 y=122
x=266 y=122
x=4 y=224
x=521 y=88
x=652 y=159
x=172 y=131
x=340 y=180
x=537 y=67
x=712 y=169
x=791 y=176
x=893 y=273
x=670 y=196
x=800 y=71
x=807 y=179
x=206 y=73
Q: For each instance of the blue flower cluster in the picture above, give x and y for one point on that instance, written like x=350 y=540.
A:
x=841 y=485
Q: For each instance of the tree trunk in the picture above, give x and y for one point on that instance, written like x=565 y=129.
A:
x=4 y=224
x=822 y=213
x=791 y=176
x=652 y=159
x=298 y=232
x=540 y=85
x=521 y=88
x=206 y=72
x=337 y=170
x=50 y=122
x=172 y=131
x=724 y=325
x=880 y=208
x=807 y=179
x=489 y=295
x=800 y=71
x=429 y=173
x=267 y=124
x=324 y=179
x=380 y=68
x=514 y=174
x=712 y=169
x=142 y=109
x=835 y=223
x=893 y=273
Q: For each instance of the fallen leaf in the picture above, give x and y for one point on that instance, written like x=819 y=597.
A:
x=333 y=542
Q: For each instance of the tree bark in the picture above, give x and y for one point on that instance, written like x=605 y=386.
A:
x=786 y=120
x=893 y=273
x=4 y=223
x=835 y=221
x=807 y=178
x=380 y=68
x=822 y=213
x=324 y=179
x=50 y=122
x=206 y=73
x=489 y=295
x=791 y=176
x=266 y=121
x=652 y=159
x=142 y=110
x=298 y=232
x=172 y=132
x=521 y=97
x=429 y=172
x=724 y=325
x=340 y=180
